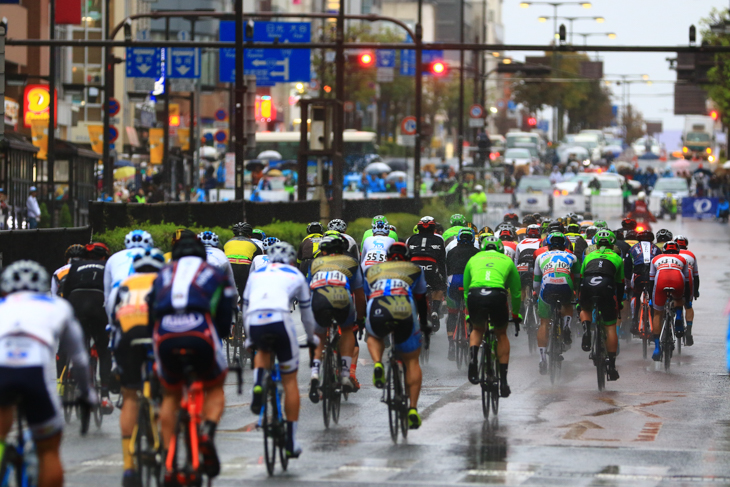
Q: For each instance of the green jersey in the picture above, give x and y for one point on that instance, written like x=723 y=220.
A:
x=493 y=269
x=452 y=232
x=603 y=262
x=369 y=233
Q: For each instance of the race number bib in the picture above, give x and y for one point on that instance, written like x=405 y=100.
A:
x=374 y=257
x=328 y=278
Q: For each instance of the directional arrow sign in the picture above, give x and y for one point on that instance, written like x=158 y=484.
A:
x=183 y=62
x=576 y=430
x=144 y=62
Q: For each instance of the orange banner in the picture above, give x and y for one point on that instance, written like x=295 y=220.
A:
x=183 y=136
x=39 y=133
x=96 y=136
x=156 y=145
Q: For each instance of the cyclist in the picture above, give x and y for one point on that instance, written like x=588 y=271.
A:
x=341 y=226
x=241 y=251
x=625 y=254
x=694 y=272
x=369 y=233
x=631 y=237
x=191 y=308
x=667 y=270
x=131 y=322
x=258 y=236
x=396 y=291
x=663 y=236
x=576 y=239
x=555 y=272
x=84 y=289
x=267 y=315
x=642 y=253
x=32 y=326
x=73 y=253
x=261 y=260
x=640 y=209
x=179 y=233
x=508 y=237
x=457 y=222
x=600 y=224
x=483 y=233
x=456 y=260
x=525 y=257
x=488 y=277
x=512 y=219
x=308 y=246
x=119 y=265
x=427 y=250
x=215 y=256
x=375 y=247
x=334 y=279
x=602 y=276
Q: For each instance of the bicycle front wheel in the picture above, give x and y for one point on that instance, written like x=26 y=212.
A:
x=483 y=384
x=96 y=410
x=148 y=467
x=390 y=401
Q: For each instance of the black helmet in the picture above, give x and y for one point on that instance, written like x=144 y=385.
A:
x=664 y=235
x=528 y=220
x=333 y=244
x=465 y=237
x=398 y=251
x=242 y=229
x=188 y=247
x=315 y=227
x=628 y=224
x=573 y=227
x=556 y=226
x=591 y=232
x=75 y=251
x=632 y=235
x=556 y=240
x=645 y=236
x=619 y=233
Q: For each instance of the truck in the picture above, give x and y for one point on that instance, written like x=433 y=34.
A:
x=698 y=137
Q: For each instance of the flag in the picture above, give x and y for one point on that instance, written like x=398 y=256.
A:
x=68 y=12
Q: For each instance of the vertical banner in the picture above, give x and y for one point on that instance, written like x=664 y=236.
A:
x=156 y=145
x=96 y=137
x=230 y=170
x=68 y=12
x=39 y=133
x=183 y=136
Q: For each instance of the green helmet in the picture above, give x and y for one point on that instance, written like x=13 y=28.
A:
x=544 y=225
x=330 y=233
x=600 y=224
x=380 y=218
x=604 y=238
x=415 y=228
x=492 y=243
x=458 y=220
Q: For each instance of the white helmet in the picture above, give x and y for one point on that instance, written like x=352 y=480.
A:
x=641 y=196
x=478 y=187
x=24 y=275
x=138 y=239
x=152 y=258
x=282 y=253
x=270 y=242
x=337 y=225
x=209 y=239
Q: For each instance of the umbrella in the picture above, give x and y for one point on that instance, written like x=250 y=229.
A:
x=270 y=154
x=648 y=156
x=124 y=172
x=121 y=163
x=377 y=168
x=255 y=164
x=395 y=175
x=613 y=149
x=726 y=165
x=703 y=171
x=209 y=152
x=680 y=165
x=288 y=164
x=398 y=165
x=274 y=172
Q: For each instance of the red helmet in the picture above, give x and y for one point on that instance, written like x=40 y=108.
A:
x=399 y=251
x=533 y=231
x=506 y=234
x=682 y=241
x=671 y=247
x=427 y=222
x=97 y=250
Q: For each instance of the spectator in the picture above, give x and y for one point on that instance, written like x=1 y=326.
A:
x=578 y=188
x=595 y=186
x=140 y=197
x=555 y=176
x=651 y=178
x=264 y=184
x=478 y=200
x=723 y=210
x=34 y=211
x=221 y=174
x=4 y=209
x=401 y=185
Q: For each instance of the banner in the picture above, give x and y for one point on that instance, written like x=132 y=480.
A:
x=565 y=204
x=96 y=137
x=12 y=109
x=156 y=145
x=230 y=170
x=183 y=136
x=39 y=133
x=533 y=203
x=607 y=207
x=499 y=200
x=36 y=105
x=699 y=207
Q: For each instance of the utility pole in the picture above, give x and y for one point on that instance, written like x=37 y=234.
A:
x=460 y=138
x=338 y=160
x=419 y=114
x=166 y=160
x=108 y=90
x=51 y=152
x=239 y=92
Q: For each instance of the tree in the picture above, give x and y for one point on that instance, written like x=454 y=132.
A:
x=718 y=90
x=633 y=123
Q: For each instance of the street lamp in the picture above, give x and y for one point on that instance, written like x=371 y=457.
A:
x=586 y=35
x=599 y=20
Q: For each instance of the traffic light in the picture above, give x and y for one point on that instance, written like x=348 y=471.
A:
x=174 y=115
x=366 y=59
x=532 y=121
x=436 y=68
x=714 y=114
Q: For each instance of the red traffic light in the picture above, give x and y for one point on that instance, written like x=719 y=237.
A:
x=532 y=121
x=438 y=67
x=714 y=114
x=366 y=59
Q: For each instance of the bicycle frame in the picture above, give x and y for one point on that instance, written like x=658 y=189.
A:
x=146 y=397
x=15 y=457
x=191 y=409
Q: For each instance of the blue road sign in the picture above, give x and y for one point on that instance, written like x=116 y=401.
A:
x=270 y=66
x=408 y=60
x=144 y=62
x=183 y=62
x=114 y=107
x=385 y=58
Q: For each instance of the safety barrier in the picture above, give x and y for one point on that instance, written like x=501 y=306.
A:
x=607 y=207
x=504 y=201
x=534 y=203
x=46 y=246
x=571 y=203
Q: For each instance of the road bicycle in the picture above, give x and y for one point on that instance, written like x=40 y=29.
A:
x=460 y=336
x=531 y=321
x=145 y=444
x=395 y=395
x=183 y=460
x=555 y=342
x=599 y=354
x=234 y=343
x=489 y=378
x=330 y=385
x=644 y=319
x=666 y=338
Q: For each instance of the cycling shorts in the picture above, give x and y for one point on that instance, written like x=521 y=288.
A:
x=639 y=282
x=550 y=295
x=456 y=287
x=130 y=359
x=605 y=288
x=434 y=280
x=332 y=303
x=195 y=333
x=396 y=315
x=275 y=332
x=32 y=386
x=667 y=278
x=488 y=305
x=240 y=275
x=88 y=305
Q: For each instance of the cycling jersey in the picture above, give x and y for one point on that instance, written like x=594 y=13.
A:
x=266 y=310
x=427 y=251
x=456 y=261
x=241 y=250
x=578 y=242
x=258 y=262
x=525 y=255
x=510 y=249
x=485 y=275
x=602 y=277
x=32 y=327
x=118 y=267
x=694 y=272
x=218 y=259
x=352 y=248
x=374 y=250
x=555 y=271
x=594 y=247
x=57 y=281
x=641 y=256
x=369 y=233
x=668 y=270
x=85 y=275
x=625 y=254
x=308 y=248
x=332 y=280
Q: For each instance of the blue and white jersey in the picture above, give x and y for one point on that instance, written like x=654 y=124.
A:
x=117 y=268
x=218 y=259
x=642 y=254
x=374 y=250
x=258 y=262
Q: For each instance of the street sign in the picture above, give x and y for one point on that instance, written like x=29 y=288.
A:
x=476 y=111
x=221 y=115
x=113 y=134
x=114 y=107
x=183 y=62
x=385 y=75
x=476 y=122
x=408 y=60
x=144 y=62
x=270 y=66
x=348 y=106
x=221 y=136
x=385 y=58
x=408 y=126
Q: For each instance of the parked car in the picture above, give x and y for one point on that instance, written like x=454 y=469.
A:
x=677 y=186
x=534 y=184
x=610 y=184
x=519 y=156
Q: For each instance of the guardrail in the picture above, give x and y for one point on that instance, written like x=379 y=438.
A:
x=46 y=246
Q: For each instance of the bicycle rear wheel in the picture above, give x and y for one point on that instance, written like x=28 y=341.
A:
x=283 y=437
x=69 y=393
x=390 y=401
x=483 y=384
x=667 y=341
x=531 y=324
x=336 y=390
x=554 y=353
x=327 y=385
x=144 y=449
x=460 y=359
x=494 y=386
x=600 y=359
x=425 y=349
x=402 y=398
x=96 y=410
x=269 y=424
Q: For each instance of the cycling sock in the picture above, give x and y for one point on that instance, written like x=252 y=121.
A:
x=352 y=369
x=503 y=372
x=208 y=429
x=258 y=376
x=566 y=322
x=315 y=366
x=612 y=359
x=291 y=430
x=678 y=312
x=542 y=353
x=345 y=368
x=435 y=306
x=126 y=454
x=474 y=354
x=586 y=326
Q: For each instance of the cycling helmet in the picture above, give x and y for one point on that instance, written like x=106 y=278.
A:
x=604 y=238
x=528 y=220
x=24 y=275
x=556 y=226
x=439 y=229
x=415 y=229
x=538 y=217
x=338 y=225
x=457 y=220
x=573 y=228
x=188 y=246
x=628 y=224
x=427 y=222
x=507 y=234
x=269 y=242
x=682 y=241
x=533 y=231
x=671 y=247
x=600 y=224
x=619 y=232
x=315 y=227
x=486 y=230
x=472 y=226
x=209 y=238
x=97 y=251
x=75 y=252
x=556 y=240
x=641 y=196
x=258 y=234
x=511 y=218
x=242 y=229
x=643 y=236
x=151 y=261
x=381 y=228
x=492 y=243
x=572 y=216
x=180 y=233
x=398 y=251
x=333 y=244
x=664 y=235
x=591 y=232
x=544 y=226
x=282 y=253
x=138 y=239
x=465 y=237
x=331 y=233
x=633 y=235
x=393 y=229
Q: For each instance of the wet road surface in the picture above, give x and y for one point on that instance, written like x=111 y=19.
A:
x=650 y=428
